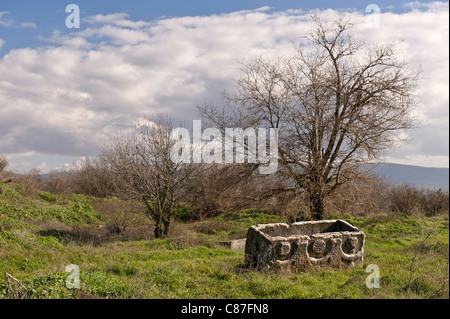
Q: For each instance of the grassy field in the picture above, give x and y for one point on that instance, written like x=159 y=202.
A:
x=41 y=234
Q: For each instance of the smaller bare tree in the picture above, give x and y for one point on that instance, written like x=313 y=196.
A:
x=142 y=161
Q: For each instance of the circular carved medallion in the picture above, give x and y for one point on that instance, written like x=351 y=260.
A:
x=351 y=244
x=319 y=246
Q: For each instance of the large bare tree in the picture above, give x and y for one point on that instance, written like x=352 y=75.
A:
x=142 y=160
x=337 y=103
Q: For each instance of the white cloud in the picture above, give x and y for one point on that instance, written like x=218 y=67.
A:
x=69 y=98
x=117 y=19
x=27 y=24
x=44 y=168
x=436 y=6
x=6 y=21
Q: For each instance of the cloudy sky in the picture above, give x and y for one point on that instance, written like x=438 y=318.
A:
x=65 y=91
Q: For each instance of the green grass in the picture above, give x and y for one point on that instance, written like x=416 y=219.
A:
x=37 y=242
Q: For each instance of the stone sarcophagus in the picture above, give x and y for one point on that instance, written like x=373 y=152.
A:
x=300 y=246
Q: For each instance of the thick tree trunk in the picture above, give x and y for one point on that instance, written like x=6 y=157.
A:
x=162 y=227
x=317 y=205
x=158 y=231
x=166 y=223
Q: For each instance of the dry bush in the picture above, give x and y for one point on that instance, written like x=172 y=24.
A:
x=409 y=199
x=368 y=196
x=365 y=195
x=405 y=199
x=435 y=202
x=117 y=223
x=57 y=183
x=124 y=220
x=94 y=178
x=3 y=164
x=115 y=214
x=222 y=188
x=217 y=189
x=294 y=206
x=31 y=182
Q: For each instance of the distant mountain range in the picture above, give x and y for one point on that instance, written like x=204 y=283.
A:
x=425 y=177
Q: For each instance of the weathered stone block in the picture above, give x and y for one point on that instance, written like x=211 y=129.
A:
x=237 y=244
x=301 y=246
